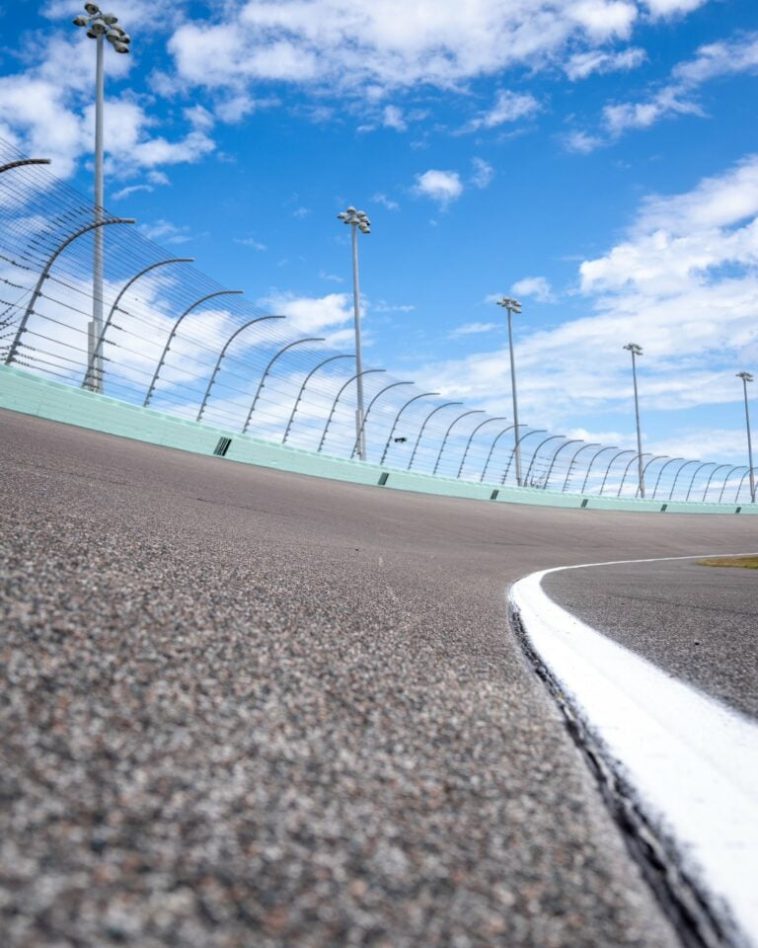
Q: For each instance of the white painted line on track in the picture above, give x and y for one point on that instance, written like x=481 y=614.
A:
x=692 y=761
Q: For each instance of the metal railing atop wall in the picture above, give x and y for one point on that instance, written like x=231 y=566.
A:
x=177 y=341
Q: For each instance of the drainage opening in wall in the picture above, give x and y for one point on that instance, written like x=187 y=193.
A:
x=383 y=478
x=584 y=503
x=222 y=447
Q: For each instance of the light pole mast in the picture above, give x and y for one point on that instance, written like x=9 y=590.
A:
x=100 y=27
x=747 y=377
x=512 y=306
x=358 y=221
x=637 y=351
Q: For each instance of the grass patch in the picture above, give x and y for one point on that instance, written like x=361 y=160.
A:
x=746 y=562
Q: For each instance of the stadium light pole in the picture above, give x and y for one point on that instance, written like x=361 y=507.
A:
x=747 y=377
x=637 y=351
x=357 y=221
x=512 y=306
x=100 y=27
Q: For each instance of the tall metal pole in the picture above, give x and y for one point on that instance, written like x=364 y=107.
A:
x=637 y=351
x=511 y=306
x=626 y=471
x=100 y=27
x=357 y=220
x=96 y=381
x=747 y=377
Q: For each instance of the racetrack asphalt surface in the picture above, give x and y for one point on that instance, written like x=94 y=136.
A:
x=699 y=623
x=244 y=707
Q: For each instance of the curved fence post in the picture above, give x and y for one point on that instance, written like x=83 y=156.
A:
x=371 y=405
x=471 y=438
x=737 y=467
x=46 y=272
x=174 y=328
x=676 y=476
x=97 y=350
x=307 y=379
x=534 y=456
x=592 y=461
x=610 y=465
x=217 y=366
x=22 y=162
x=474 y=411
x=697 y=471
x=555 y=455
x=495 y=440
x=357 y=377
x=710 y=478
x=742 y=481
x=660 y=474
x=638 y=458
x=397 y=418
x=423 y=426
x=291 y=345
x=518 y=441
x=569 y=472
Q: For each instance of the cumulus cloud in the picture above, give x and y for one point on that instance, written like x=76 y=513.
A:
x=381 y=44
x=508 y=107
x=678 y=95
x=483 y=173
x=441 y=186
x=682 y=283
x=537 y=287
x=47 y=110
x=582 y=65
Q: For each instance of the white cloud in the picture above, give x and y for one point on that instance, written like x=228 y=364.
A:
x=582 y=65
x=483 y=173
x=440 y=186
x=682 y=284
x=508 y=107
x=311 y=315
x=378 y=44
x=677 y=96
x=470 y=329
x=669 y=8
x=385 y=201
x=132 y=189
x=165 y=232
x=537 y=287
x=47 y=110
x=392 y=117
x=250 y=242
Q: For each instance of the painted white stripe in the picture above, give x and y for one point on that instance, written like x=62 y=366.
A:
x=692 y=761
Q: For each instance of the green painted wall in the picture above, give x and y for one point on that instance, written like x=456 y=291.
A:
x=27 y=393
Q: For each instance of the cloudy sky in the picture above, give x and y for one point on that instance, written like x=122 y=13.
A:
x=596 y=158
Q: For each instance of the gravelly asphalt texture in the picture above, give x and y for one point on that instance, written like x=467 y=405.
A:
x=242 y=707
x=699 y=623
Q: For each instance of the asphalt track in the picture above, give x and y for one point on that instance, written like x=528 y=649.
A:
x=698 y=623
x=243 y=707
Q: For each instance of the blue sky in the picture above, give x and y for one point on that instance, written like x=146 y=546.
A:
x=596 y=158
